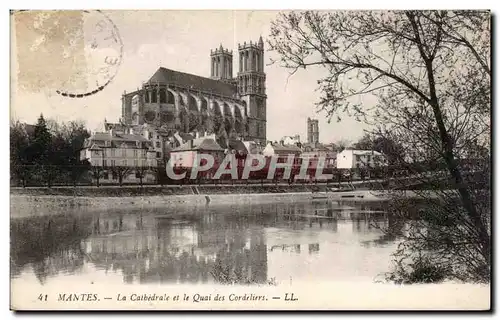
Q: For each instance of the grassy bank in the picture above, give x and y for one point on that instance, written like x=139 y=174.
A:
x=135 y=191
x=45 y=201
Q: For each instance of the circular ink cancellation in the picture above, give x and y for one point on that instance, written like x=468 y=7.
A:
x=103 y=52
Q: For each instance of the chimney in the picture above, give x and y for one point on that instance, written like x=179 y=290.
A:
x=190 y=144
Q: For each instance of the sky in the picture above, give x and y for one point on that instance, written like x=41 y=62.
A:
x=179 y=40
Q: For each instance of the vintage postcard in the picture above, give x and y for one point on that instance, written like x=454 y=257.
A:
x=250 y=160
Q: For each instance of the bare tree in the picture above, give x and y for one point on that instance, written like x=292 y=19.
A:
x=341 y=145
x=141 y=172
x=430 y=72
x=97 y=173
x=121 y=172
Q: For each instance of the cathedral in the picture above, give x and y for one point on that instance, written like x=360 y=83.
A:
x=222 y=105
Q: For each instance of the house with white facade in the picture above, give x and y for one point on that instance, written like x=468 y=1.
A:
x=117 y=153
x=352 y=159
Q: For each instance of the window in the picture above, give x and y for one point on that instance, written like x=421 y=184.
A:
x=105 y=175
x=158 y=154
x=113 y=163
x=157 y=137
x=150 y=135
x=104 y=163
x=136 y=163
x=163 y=96
x=115 y=176
x=157 y=144
x=112 y=150
x=124 y=152
x=154 y=96
x=170 y=98
x=135 y=153
x=124 y=163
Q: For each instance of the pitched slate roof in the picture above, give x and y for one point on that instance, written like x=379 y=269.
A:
x=252 y=147
x=116 y=126
x=168 y=76
x=186 y=136
x=99 y=139
x=238 y=145
x=311 y=147
x=200 y=144
x=279 y=149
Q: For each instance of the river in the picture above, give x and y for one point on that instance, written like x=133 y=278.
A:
x=245 y=244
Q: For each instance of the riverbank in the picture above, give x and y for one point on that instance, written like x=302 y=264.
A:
x=40 y=205
x=43 y=201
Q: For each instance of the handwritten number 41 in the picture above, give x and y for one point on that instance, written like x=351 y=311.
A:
x=43 y=297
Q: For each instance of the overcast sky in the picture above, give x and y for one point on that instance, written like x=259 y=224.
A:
x=179 y=40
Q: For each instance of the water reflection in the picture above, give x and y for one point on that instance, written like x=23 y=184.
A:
x=233 y=244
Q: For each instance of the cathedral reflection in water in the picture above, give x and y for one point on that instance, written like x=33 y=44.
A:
x=228 y=245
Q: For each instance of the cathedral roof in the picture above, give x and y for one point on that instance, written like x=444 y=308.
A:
x=194 y=82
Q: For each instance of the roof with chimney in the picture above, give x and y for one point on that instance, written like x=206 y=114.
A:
x=99 y=139
x=199 y=144
x=280 y=149
x=238 y=146
x=194 y=82
x=115 y=126
x=316 y=147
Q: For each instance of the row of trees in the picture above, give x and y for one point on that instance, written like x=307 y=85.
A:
x=47 y=152
x=429 y=75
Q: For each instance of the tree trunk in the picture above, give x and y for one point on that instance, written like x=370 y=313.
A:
x=452 y=167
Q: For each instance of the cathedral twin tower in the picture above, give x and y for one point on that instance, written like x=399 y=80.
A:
x=222 y=105
x=250 y=81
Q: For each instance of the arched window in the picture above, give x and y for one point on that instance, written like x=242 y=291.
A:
x=163 y=96
x=154 y=97
x=170 y=98
x=146 y=96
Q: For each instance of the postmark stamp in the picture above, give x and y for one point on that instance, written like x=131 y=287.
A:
x=103 y=54
x=72 y=53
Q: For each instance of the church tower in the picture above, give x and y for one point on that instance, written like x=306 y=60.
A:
x=221 y=62
x=312 y=131
x=252 y=88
